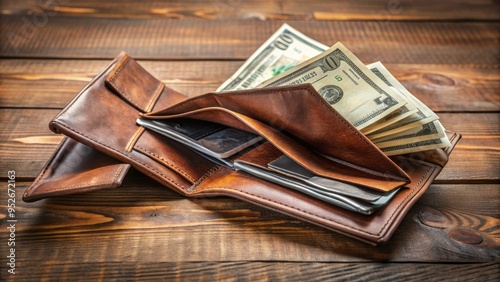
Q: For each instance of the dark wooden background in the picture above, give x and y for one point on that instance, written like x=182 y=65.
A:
x=445 y=52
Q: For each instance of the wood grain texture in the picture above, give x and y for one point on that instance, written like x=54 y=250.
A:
x=445 y=52
x=262 y=271
x=390 y=42
x=479 y=147
x=394 y=10
x=26 y=143
x=53 y=83
x=125 y=224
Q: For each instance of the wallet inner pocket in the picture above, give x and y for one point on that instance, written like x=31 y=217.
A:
x=293 y=171
x=301 y=153
x=173 y=155
x=301 y=112
x=262 y=161
x=218 y=143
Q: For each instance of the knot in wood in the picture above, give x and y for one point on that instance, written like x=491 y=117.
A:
x=466 y=236
x=439 y=79
x=434 y=218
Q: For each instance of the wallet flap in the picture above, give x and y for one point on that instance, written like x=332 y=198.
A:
x=284 y=109
x=102 y=119
x=134 y=84
x=75 y=168
x=310 y=159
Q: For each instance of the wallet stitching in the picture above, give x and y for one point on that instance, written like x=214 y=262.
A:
x=118 y=172
x=410 y=195
x=49 y=164
x=115 y=177
x=110 y=81
x=75 y=186
x=322 y=102
x=155 y=97
x=205 y=176
x=120 y=153
x=137 y=134
x=120 y=68
x=176 y=168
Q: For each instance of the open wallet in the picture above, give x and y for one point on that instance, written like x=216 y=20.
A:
x=282 y=148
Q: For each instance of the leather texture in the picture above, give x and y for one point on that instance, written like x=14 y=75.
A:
x=100 y=125
x=76 y=168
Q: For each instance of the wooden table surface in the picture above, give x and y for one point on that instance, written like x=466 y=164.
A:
x=445 y=52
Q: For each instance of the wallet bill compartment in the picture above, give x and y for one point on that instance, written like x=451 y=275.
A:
x=300 y=152
x=246 y=110
x=304 y=115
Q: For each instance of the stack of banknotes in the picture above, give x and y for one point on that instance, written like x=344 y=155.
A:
x=368 y=96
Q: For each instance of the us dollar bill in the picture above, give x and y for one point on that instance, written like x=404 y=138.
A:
x=346 y=84
x=421 y=115
x=416 y=146
x=286 y=48
x=428 y=131
x=409 y=126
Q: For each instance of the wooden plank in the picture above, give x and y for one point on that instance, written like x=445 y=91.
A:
x=257 y=271
x=452 y=66
x=28 y=141
x=125 y=224
x=390 y=42
x=382 y=10
x=480 y=146
x=56 y=82
x=53 y=83
x=26 y=144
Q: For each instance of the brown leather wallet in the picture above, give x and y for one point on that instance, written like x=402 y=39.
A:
x=103 y=140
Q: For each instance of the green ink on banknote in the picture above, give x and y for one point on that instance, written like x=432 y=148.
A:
x=281 y=69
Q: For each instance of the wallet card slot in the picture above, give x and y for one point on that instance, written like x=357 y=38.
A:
x=173 y=155
x=286 y=166
x=340 y=200
x=207 y=138
x=259 y=162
